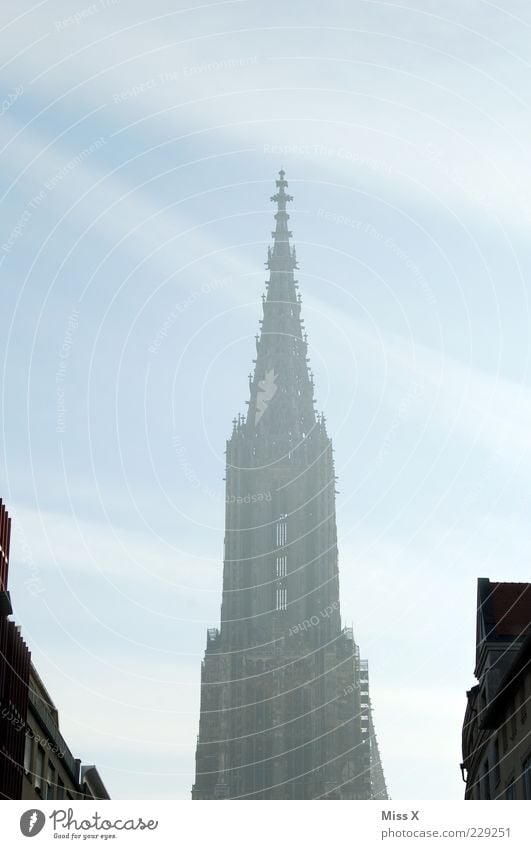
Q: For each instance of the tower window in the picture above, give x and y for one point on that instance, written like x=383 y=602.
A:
x=282 y=566
x=282 y=598
x=282 y=530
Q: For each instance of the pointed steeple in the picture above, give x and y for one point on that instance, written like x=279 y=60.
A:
x=281 y=255
x=281 y=402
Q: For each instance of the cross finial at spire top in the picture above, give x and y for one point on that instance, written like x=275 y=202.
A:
x=281 y=198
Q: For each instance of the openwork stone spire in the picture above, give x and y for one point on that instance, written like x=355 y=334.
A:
x=281 y=403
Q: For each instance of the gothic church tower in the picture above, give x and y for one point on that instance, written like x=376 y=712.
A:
x=283 y=711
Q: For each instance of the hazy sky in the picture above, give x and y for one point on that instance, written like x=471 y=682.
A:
x=139 y=148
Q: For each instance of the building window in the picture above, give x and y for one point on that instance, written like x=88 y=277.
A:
x=496 y=768
x=526 y=777
x=523 y=704
x=60 y=788
x=504 y=737
x=50 y=782
x=513 y=721
x=39 y=768
x=510 y=790
x=485 y=782
x=28 y=752
x=282 y=598
x=282 y=530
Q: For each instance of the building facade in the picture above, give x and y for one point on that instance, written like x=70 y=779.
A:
x=15 y=661
x=497 y=726
x=50 y=769
x=282 y=713
x=35 y=761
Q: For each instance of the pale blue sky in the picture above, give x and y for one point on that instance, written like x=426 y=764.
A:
x=139 y=148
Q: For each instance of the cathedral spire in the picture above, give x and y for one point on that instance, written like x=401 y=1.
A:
x=281 y=402
x=281 y=234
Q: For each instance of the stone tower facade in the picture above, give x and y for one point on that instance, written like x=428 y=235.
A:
x=281 y=712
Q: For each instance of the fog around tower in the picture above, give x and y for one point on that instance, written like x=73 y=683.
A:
x=138 y=161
